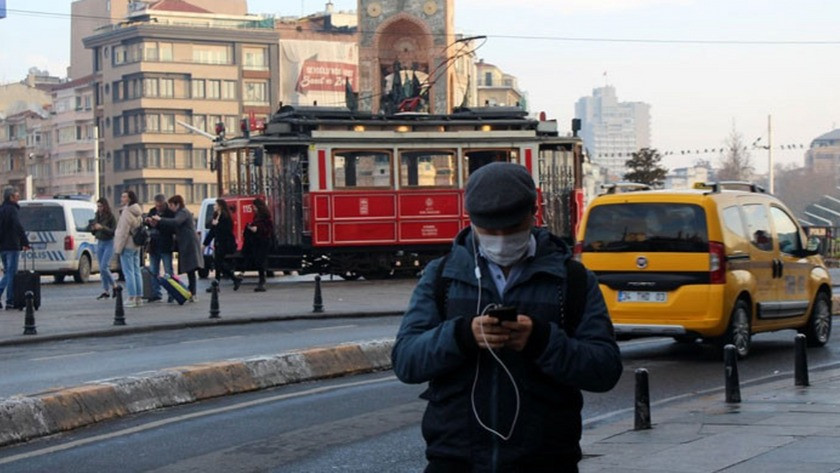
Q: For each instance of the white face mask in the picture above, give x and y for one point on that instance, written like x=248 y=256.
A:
x=505 y=250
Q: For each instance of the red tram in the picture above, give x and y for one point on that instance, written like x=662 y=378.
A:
x=358 y=194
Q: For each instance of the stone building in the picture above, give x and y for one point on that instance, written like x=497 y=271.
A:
x=416 y=37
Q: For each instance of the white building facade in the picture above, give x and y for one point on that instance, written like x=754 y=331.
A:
x=611 y=130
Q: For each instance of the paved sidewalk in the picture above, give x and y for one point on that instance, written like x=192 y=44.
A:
x=777 y=427
x=287 y=297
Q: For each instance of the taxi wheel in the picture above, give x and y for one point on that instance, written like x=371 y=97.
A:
x=83 y=274
x=818 y=329
x=738 y=332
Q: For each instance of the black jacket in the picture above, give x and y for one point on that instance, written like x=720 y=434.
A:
x=109 y=226
x=12 y=234
x=550 y=372
x=162 y=239
x=222 y=233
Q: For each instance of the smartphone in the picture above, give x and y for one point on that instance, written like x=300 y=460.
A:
x=504 y=314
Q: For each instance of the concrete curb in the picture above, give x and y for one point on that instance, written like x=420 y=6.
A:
x=23 y=418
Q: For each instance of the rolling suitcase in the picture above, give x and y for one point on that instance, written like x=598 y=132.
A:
x=175 y=288
x=27 y=279
x=147 y=283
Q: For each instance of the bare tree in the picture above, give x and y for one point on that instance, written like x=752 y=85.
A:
x=735 y=160
x=799 y=187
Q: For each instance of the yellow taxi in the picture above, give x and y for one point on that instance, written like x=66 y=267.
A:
x=719 y=262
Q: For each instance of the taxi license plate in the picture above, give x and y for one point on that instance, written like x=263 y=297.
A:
x=642 y=296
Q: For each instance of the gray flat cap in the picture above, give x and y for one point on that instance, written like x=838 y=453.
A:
x=500 y=195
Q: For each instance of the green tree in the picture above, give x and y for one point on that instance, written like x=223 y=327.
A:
x=735 y=161
x=645 y=167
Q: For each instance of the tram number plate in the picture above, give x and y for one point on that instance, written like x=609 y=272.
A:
x=642 y=296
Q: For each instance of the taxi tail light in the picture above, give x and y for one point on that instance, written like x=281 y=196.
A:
x=717 y=263
x=578 y=249
x=69 y=243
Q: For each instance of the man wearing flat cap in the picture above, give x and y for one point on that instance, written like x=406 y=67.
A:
x=505 y=395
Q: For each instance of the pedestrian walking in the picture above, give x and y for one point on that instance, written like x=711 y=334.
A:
x=224 y=242
x=258 y=237
x=131 y=219
x=103 y=227
x=161 y=245
x=186 y=239
x=12 y=241
x=504 y=389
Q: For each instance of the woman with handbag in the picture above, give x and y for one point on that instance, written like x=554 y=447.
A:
x=129 y=252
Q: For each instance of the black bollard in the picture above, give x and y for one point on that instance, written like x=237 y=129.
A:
x=29 y=319
x=800 y=361
x=119 y=310
x=642 y=400
x=214 y=300
x=730 y=363
x=318 y=303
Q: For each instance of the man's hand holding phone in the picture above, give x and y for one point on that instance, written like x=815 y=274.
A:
x=502 y=327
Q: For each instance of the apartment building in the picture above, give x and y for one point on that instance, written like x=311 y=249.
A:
x=68 y=140
x=611 y=130
x=172 y=62
x=496 y=88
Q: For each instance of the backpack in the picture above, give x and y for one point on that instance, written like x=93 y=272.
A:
x=140 y=236
x=571 y=311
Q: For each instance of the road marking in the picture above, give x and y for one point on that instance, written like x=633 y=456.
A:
x=161 y=423
x=67 y=355
x=337 y=327
x=205 y=340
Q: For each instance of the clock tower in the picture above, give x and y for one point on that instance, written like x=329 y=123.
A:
x=412 y=43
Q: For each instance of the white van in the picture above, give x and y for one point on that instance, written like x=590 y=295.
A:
x=57 y=230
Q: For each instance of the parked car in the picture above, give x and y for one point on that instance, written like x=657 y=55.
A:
x=719 y=263
x=61 y=243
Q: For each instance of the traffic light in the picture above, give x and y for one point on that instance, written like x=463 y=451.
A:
x=245 y=127
x=258 y=156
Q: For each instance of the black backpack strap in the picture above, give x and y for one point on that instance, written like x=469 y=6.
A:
x=575 y=300
x=442 y=287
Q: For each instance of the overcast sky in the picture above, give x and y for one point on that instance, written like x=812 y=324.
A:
x=704 y=66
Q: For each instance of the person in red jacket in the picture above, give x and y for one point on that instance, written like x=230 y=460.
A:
x=258 y=237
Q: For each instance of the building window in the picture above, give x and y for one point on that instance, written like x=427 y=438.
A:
x=199 y=159
x=255 y=93
x=200 y=122
x=198 y=89
x=167 y=88
x=167 y=123
x=153 y=123
x=488 y=79
x=229 y=90
x=169 y=160
x=150 y=87
x=232 y=125
x=211 y=54
x=255 y=59
x=214 y=89
x=119 y=56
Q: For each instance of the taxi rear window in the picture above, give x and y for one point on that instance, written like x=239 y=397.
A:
x=37 y=218
x=654 y=227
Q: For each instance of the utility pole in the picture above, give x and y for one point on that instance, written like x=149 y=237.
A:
x=95 y=163
x=770 y=173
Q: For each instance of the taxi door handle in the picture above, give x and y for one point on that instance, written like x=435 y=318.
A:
x=781 y=267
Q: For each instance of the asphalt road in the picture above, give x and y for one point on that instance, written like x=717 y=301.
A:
x=35 y=368
x=363 y=423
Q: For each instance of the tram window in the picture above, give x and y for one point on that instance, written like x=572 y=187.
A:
x=427 y=169
x=476 y=159
x=362 y=169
